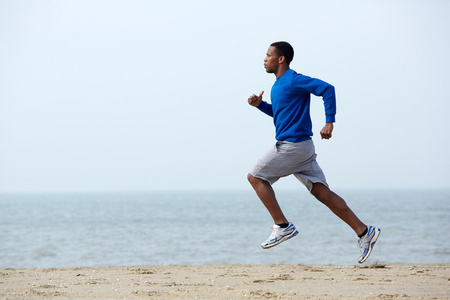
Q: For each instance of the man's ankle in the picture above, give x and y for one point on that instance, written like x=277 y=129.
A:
x=283 y=225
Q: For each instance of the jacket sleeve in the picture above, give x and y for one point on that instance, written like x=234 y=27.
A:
x=266 y=108
x=322 y=89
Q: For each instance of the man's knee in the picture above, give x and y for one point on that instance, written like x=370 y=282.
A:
x=320 y=191
x=253 y=180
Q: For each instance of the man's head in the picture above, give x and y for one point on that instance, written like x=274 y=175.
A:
x=284 y=49
x=278 y=57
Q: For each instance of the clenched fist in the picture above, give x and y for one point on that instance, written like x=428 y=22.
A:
x=254 y=100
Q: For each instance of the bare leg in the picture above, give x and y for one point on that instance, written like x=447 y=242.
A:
x=265 y=192
x=338 y=206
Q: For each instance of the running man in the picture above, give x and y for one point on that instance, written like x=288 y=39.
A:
x=294 y=151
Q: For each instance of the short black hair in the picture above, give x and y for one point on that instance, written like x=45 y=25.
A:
x=284 y=49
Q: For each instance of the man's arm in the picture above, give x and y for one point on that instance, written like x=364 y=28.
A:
x=329 y=102
x=326 y=91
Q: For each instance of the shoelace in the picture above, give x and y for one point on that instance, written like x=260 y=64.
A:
x=363 y=244
x=274 y=232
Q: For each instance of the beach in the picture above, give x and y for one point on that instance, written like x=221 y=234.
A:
x=376 y=281
x=105 y=246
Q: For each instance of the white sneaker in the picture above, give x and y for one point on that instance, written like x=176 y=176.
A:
x=367 y=242
x=279 y=235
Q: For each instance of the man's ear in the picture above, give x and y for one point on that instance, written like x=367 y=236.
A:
x=281 y=59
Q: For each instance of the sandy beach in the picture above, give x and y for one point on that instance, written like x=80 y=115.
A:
x=402 y=281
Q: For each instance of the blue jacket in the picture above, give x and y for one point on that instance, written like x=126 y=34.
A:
x=290 y=98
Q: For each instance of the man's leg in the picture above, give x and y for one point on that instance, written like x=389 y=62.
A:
x=368 y=235
x=265 y=192
x=282 y=230
x=338 y=206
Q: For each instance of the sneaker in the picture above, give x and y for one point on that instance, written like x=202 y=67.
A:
x=366 y=243
x=279 y=235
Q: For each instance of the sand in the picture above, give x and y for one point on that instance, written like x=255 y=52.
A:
x=406 y=281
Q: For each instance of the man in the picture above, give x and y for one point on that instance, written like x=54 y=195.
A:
x=294 y=151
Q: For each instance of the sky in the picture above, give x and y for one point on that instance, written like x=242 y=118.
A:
x=151 y=95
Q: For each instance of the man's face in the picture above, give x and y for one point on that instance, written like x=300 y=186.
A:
x=271 y=62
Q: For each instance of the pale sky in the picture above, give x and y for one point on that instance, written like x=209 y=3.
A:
x=144 y=95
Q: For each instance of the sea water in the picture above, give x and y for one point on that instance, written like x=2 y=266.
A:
x=215 y=227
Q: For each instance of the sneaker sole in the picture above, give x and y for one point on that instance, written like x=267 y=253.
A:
x=285 y=238
x=372 y=243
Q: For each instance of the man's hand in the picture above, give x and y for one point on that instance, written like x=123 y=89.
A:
x=326 y=131
x=254 y=100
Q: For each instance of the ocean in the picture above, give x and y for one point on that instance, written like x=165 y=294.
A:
x=58 y=230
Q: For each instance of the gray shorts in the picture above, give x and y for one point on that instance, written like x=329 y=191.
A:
x=287 y=158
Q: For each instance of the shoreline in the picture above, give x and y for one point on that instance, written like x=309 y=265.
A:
x=378 y=281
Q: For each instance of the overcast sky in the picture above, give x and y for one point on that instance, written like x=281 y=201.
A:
x=143 y=95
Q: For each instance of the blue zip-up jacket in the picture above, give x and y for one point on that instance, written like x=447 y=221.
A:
x=290 y=98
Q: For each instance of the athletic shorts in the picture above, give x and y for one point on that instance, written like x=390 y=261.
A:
x=287 y=158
